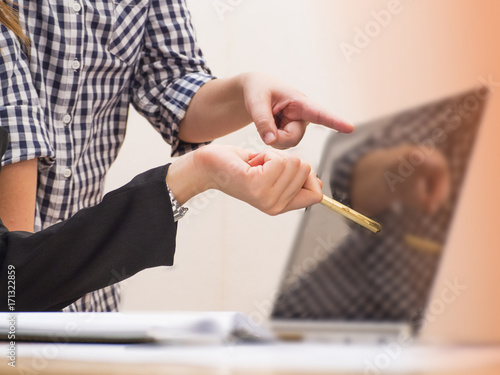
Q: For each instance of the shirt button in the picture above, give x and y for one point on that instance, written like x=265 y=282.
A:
x=77 y=7
x=75 y=64
x=67 y=118
x=67 y=173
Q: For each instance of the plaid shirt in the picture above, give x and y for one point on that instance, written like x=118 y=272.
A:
x=68 y=104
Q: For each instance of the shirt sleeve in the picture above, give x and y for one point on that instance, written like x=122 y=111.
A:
x=20 y=111
x=130 y=230
x=170 y=71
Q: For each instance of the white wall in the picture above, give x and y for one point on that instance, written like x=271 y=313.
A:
x=229 y=256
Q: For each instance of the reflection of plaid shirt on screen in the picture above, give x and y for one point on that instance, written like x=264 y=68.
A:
x=378 y=277
x=68 y=104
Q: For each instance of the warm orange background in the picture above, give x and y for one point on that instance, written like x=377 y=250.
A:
x=429 y=50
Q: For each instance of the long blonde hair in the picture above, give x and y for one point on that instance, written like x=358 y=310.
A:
x=9 y=17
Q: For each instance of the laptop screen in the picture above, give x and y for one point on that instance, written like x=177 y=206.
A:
x=404 y=171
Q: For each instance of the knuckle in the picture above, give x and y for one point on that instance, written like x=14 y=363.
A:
x=318 y=196
x=283 y=162
x=305 y=167
x=262 y=199
x=295 y=162
x=270 y=202
x=273 y=211
x=262 y=122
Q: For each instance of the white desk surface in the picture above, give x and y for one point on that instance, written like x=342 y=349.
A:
x=279 y=358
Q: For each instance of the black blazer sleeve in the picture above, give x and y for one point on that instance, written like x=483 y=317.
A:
x=130 y=230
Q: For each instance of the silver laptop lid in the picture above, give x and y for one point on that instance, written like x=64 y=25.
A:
x=405 y=171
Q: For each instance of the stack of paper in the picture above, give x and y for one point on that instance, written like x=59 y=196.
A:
x=178 y=327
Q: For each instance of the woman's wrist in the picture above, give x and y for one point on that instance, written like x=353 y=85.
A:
x=186 y=177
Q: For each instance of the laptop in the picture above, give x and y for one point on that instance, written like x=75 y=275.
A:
x=343 y=283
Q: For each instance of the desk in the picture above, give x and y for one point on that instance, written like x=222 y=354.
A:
x=265 y=359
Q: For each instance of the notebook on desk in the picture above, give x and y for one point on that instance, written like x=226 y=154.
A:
x=343 y=283
x=171 y=328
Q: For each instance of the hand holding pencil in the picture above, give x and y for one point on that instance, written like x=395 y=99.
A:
x=260 y=159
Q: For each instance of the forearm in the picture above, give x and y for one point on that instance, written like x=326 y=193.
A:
x=217 y=109
x=18 y=195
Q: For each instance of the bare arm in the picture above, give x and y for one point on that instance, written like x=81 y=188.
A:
x=18 y=195
x=217 y=109
x=279 y=112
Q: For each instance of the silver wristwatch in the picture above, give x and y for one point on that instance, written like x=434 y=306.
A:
x=177 y=209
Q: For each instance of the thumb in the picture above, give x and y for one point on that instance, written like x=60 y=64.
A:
x=262 y=115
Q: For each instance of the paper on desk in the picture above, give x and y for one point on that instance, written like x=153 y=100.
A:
x=178 y=327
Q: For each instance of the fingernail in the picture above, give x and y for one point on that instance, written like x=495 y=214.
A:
x=269 y=137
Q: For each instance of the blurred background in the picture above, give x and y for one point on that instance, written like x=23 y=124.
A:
x=348 y=56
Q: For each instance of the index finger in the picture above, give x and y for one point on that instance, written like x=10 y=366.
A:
x=311 y=112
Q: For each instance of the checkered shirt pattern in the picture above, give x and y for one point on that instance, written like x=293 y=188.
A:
x=68 y=103
x=378 y=277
